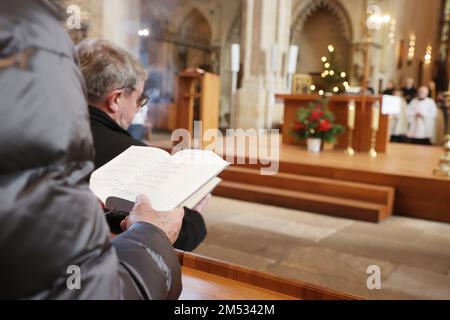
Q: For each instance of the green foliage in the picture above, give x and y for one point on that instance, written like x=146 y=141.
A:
x=316 y=121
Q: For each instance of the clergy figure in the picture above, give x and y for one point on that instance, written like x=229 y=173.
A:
x=399 y=122
x=422 y=113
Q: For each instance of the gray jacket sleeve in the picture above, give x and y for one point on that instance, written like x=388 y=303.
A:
x=156 y=273
x=49 y=219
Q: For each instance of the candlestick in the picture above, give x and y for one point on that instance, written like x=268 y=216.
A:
x=351 y=126
x=351 y=115
x=375 y=126
x=373 y=143
x=444 y=163
x=350 y=151
x=376 y=116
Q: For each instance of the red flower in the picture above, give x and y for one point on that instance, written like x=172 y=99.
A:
x=315 y=116
x=298 y=126
x=325 y=125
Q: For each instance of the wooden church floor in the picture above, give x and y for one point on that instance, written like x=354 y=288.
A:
x=332 y=252
x=401 y=159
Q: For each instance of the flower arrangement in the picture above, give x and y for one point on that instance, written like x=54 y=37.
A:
x=316 y=121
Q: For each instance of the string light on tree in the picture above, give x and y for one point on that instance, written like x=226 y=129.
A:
x=346 y=85
x=333 y=77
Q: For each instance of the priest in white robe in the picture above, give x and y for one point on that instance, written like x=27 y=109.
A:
x=422 y=113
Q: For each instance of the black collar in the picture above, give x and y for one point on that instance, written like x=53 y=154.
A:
x=100 y=118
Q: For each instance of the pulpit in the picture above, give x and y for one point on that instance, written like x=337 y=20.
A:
x=362 y=134
x=197 y=99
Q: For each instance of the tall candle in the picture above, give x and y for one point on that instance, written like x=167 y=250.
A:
x=274 y=58
x=235 y=57
x=376 y=116
x=351 y=115
x=293 y=56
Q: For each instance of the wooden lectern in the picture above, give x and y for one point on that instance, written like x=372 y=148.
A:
x=197 y=99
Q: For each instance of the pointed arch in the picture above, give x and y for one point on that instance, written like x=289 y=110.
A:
x=195 y=27
x=182 y=13
x=305 y=11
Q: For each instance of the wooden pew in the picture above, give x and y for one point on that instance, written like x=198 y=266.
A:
x=210 y=279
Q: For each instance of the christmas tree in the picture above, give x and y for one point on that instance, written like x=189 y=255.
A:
x=334 y=79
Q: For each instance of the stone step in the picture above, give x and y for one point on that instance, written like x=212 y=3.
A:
x=316 y=203
x=383 y=195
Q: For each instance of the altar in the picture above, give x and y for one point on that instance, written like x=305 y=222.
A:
x=339 y=105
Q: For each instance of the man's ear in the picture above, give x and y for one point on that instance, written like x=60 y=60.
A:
x=112 y=101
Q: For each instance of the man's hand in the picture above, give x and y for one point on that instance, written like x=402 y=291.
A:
x=170 y=222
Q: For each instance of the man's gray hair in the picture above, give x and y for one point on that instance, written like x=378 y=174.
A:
x=106 y=67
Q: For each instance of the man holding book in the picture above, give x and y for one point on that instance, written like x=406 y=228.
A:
x=54 y=240
x=115 y=84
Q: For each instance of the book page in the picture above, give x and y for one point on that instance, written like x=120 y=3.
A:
x=194 y=169
x=135 y=162
x=166 y=181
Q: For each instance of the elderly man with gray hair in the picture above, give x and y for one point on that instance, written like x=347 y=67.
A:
x=115 y=84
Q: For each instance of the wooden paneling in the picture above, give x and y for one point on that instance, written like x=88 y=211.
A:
x=200 y=285
x=202 y=89
x=338 y=105
x=210 y=102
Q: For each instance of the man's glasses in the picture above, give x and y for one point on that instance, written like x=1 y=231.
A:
x=143 y=99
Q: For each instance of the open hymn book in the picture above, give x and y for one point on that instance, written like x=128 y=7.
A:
x=183 y=179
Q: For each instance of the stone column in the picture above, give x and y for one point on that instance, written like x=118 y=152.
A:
x=265 y=22
x=121 y=23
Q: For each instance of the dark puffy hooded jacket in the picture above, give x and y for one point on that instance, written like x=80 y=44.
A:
x=50 y=222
